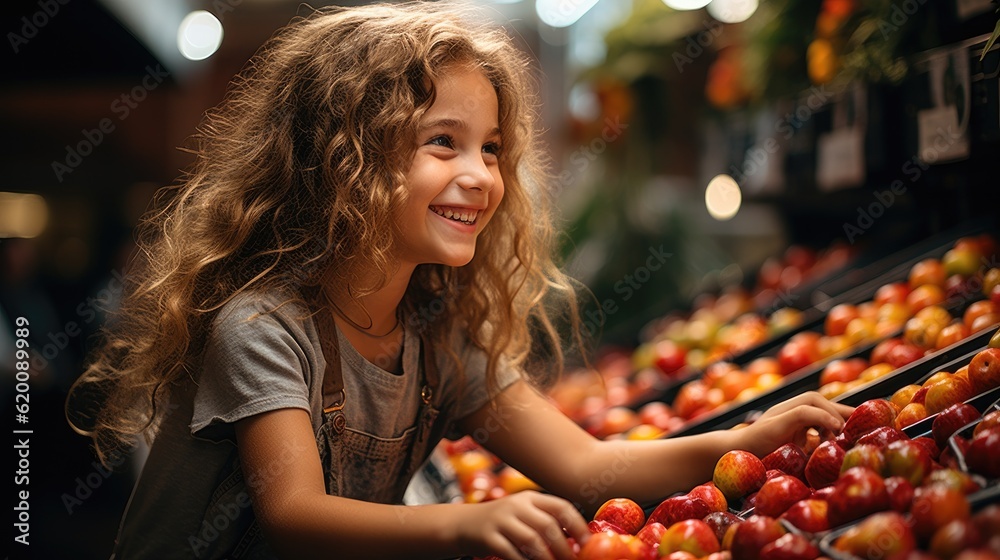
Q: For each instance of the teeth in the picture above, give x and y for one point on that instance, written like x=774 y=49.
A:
x=468 y=218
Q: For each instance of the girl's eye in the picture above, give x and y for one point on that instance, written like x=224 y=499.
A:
x=443 y=141
x=492 y=148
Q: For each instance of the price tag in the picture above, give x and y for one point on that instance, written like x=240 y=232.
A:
x=941 y=138
x=841 y=159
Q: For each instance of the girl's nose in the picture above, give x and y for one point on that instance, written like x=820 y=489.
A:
x=476 y=175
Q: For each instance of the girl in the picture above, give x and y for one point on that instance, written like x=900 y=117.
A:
x=356 y=267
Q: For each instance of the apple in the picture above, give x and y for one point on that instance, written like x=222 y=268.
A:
x=900 y=493
x=651 y=533
x=737 y=473
x=778 y=494
x=948 y=458
x=838 y=317
x=904 y=395
x=711 y=495
x=922 y=333
x=513 y=481
x=954 y=479
x=605 y=527
x=963 y=261
x=655 y=413
x=789 y=547
x=789 y=459
x=983 y=455
x=927 y=271
x=984 y=370
x=809 y=515
x=601 y=546
x=720 y=521
x=858 y=492
x=987 y=520
x=934 y=506
x=903 y=354
x=947 y=392
x=794 y=356
x=868 y=416
x=911 y=414
x=750 y=537
x=863 y=455
x=842 y=370
x=691 y=535
x=881 y=436
x=679 y=555
x=990 y=420
x=977 y=309
x=950 y=420
x=880 y=353
x=951 y=334
x=930 y=445
x=909 y=460
x=883 y=536
x=678 y=508
x=954 y=537
x=623 y=513
x=669 y=357
x=823 y=466
x=925 y=296
x=895 y=292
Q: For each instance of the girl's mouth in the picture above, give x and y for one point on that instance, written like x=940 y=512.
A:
x=466 y=216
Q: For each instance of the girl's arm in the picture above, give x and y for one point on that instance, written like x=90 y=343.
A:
x=285 y=479
x=528 y=432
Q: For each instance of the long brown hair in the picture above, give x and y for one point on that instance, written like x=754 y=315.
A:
x=299 y=169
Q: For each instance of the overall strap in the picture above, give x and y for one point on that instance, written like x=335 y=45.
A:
x=333 y=376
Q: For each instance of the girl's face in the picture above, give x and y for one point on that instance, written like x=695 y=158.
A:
x=453 y=184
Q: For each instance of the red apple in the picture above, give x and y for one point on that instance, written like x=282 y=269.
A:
x=909 y=460
x=794 y=356
x=990 y=420
x=895 y=292
x=789 y=459
x=883 y=536
x=881 y=437
x=954 y=537
x=808 y=515
x=720 y=521
x=737 y=473
x=669 y=357
x=984 y=371
x=691 y=535
x=927 y=271
x=838 y=317
x=903 y=354
x=880 y=353
x=845 y=371
x=778 y=494
x=789 y=547
x=950 y=420
x=863 y=455
x=858 y=492
x=983 y=455
x=930 y=445
x=823 y=466
x=601 y=546
x=868 y=416
x=822 y=493
x=935 y=505
x=987 y=520
x=651 y=533
x=711 y=495
x=954 y=479
x=947 y=392
x=605 y=527
x=752 y=535
x=622 y=513
x=900 y=493
x=679 y=508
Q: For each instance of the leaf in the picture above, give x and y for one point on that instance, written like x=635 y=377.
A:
x=990 y=41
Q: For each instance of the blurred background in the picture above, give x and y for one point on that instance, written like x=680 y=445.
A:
x=700 y=149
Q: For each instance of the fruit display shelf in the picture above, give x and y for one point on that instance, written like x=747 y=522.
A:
x=808 y=379
x=884 y=536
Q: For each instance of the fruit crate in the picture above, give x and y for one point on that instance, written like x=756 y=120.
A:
x=977 y=502
x=860 y=283
x=807 y=379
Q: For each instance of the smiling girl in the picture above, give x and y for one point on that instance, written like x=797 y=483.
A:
x=275 y=343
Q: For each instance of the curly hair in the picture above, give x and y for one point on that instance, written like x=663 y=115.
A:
x=298 y=170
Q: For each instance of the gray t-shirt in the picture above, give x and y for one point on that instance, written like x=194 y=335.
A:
x=191 y=499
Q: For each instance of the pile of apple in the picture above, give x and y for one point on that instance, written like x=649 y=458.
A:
x=480 y=475
x=869 y=468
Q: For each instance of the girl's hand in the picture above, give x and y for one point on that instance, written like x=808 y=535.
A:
x=522 y=526
x=790 y=420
